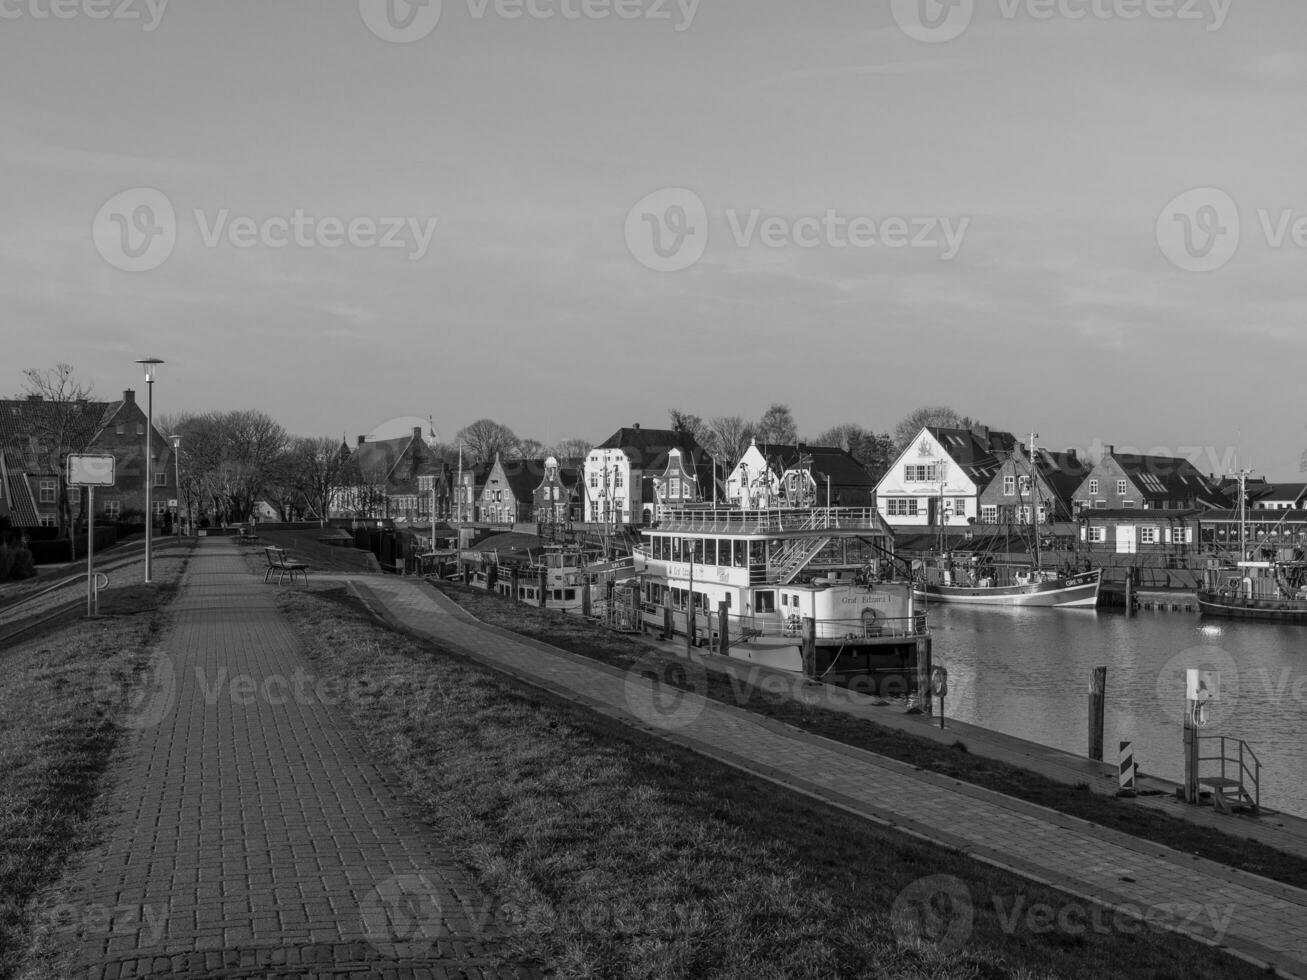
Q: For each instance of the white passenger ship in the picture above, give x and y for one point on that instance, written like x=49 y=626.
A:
x=781 y=576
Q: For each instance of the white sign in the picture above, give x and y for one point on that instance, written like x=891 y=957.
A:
x=172 y=503
x=85 y=470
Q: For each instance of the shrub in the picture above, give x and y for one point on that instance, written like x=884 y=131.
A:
x=6 y=561
x=23 y=566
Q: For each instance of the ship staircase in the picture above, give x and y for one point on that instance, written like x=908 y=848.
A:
x=1238 y=785
x=794 y=557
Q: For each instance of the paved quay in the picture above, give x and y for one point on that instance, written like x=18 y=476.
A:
x=1246 y=914
x=249 y=834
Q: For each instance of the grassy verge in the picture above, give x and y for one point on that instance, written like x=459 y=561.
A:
x=579 y=636
x=609 y=853
x=58 y=695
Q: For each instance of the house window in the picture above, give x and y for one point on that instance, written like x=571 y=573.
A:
x=161 y=479
x=594 y=479
x=1148 y=535
x=960 y=507
x=1093 y=486
x=499 y=496
x=48 y=488
x=113 y=509
x=1100 y=504
x=46 y=520
x=160 y=507
x=989 y=514
x=1025 y=485
x=1127 y=505
x=1121 y=488
x=901 y=506
x=674 y=488
x=1097 y=535
x=140 y=428
x=118 y=429
x=1009 y=486
x=921 y=474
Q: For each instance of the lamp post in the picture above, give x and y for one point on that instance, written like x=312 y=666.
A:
x=151 y=365
x=177 y=481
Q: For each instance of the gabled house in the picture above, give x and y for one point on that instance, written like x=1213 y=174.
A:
x=508 y=494
x=1129 y=481
x=1025 y=491
x=678 y=484
x=618 y=483
x=772 y=474
x=558 y=496
x=37 y=434
x=387 y=478
x=938 y=479
x=469 y=482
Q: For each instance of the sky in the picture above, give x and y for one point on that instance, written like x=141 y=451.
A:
x=1073 y=217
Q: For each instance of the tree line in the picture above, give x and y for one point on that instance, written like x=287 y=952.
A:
x=232 y=460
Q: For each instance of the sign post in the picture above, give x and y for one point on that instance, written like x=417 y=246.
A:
x=1202 y=687
x=939 y=686
x=91 y=471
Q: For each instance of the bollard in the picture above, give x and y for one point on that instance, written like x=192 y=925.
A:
x=1126 y=770
x=1097 y=703
x=724 y=629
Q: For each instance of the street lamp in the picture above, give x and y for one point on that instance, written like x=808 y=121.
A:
x=151 y=365
x=177 y=481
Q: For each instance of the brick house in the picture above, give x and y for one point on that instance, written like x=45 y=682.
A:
x=391 y=479
x=557 y=498
x=509 y=492
x=37 y=435
x=1128 y=481
x=1024 y=491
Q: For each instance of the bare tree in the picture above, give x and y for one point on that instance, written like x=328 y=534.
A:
x=317 y=464
x=777 y=425
x=937 y=415
x=571 y=449
x=62 y=423
x=486 y=438
x=731 y=436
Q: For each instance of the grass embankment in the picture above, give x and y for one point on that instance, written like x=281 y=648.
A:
x=610 y=853
x=58 y=695
x=587 y=639
x=307 y=545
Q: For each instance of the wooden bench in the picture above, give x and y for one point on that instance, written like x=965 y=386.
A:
x=244 y=533
x=283 y=565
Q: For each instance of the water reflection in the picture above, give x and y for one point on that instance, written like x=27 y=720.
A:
x=1027 y=672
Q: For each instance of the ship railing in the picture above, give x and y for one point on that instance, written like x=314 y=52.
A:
x=734 y=520
x=746 y=627
x=1239 y=766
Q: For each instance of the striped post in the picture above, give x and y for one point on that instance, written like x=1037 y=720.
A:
x=1127 y=770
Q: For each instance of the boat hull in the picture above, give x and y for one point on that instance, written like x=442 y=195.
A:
x=1073 y=592
x=1266 y=610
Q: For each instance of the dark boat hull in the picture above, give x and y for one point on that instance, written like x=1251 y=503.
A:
x=1267 y=610
x=1073 y=592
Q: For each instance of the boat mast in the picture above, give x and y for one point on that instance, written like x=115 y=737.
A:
x=1034 y=501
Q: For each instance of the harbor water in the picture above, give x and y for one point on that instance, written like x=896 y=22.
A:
x=1027 y=672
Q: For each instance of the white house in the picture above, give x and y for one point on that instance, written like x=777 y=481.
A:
x=618 y=482
x=941 y=474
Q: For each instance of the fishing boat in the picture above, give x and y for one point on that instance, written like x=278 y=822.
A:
x=1271 y=587
x=971 y=579
x=561 y=577
x=812 y=590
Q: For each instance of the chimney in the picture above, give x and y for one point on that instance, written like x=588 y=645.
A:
x=362 y=440
x=636 y=425
x=34 y=398
x=417 y=432
x=129 y=396
x=1071 y=455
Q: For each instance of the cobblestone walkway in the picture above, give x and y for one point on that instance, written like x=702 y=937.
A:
x=250 y=835
x=1260 y=919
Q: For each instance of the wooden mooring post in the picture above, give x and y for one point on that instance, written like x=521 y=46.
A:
x=1097 y=702
x=544 y=592
x=723 y=629
x=586 y=601
x=809 y=648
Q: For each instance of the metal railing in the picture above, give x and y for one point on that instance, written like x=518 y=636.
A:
x=1244 y=762
x=775 y=521
x=744 y=628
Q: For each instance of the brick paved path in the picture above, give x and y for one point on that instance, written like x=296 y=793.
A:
x=251 y=836
x=1250 y=915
